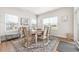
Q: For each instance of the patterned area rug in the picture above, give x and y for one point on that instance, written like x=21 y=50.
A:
x=40 y=47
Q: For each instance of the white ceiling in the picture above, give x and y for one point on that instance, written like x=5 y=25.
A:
x=39 y=10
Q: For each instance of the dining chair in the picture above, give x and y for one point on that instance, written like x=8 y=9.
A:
x=45 y=35
x=27 y=37
x=21 y=32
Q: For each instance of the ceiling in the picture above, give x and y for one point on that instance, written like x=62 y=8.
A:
x=39 y=10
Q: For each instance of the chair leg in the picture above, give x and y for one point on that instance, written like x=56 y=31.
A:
x=46 y=41
x=0 y=41
x=29 y=42
x=26 y=44
x=43 y=41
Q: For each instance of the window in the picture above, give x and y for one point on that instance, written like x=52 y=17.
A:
x=23 y=21
x=11 y=22
x=33 y=23
x=51 y=21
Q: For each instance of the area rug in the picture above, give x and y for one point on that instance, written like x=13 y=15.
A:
x=38 y=48
x=66 y=47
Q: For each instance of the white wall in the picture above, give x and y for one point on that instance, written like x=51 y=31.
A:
x=2 y=25
x=16 y=11
x=63 y=27
x=76 y=24
x=13 y=11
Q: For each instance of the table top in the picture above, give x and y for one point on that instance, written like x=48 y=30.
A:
x=37 y=31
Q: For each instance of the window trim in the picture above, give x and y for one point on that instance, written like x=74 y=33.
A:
x=49 y=17
x=6 y=23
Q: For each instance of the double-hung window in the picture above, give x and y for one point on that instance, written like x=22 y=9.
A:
x=51 y=21
x=11 y=23
x=33 y=23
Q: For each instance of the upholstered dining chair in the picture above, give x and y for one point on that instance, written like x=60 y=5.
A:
x=21 y=32
x=27 y=37
x=45 y=35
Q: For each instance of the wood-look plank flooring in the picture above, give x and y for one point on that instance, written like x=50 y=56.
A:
x=6 y=47
x=9 y=47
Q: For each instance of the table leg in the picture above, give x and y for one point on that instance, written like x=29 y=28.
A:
x=0 y=40
x=36 y=39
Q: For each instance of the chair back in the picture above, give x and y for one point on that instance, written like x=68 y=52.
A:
x=21 y=31
x=25 y=31
x=45 y=33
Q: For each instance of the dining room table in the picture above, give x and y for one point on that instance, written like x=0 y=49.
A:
x=36 y=33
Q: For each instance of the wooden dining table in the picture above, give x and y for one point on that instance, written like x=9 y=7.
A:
x=36 y=33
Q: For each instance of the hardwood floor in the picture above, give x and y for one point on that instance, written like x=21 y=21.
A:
x=63 y=40
x=68 y=42
x=12 y=46
x=6 y=47
x=56 y=45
